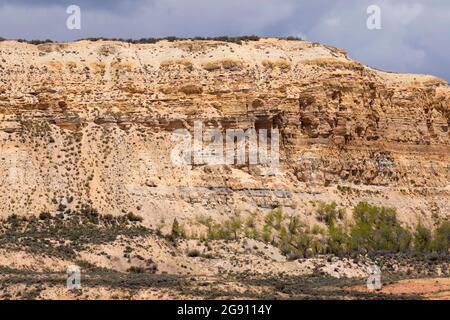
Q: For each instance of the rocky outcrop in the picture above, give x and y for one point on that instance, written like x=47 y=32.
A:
x=92 y=122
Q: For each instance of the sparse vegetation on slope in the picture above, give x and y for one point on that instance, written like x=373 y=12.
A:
x=237 y=39
x=374 y=230
x=65 y=233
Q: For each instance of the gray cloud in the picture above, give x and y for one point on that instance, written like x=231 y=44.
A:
x=414 y=35
x=91 y=4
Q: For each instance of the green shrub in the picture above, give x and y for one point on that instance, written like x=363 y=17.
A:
x=177 y=229
x=252 y=233
x=267 y=233
x=45 y=215
x=216 y=232
x=377 y=229
x=422 y=238
x=294 y=225
x=136 y=269
x=251 y=230
x=274 y=218
x=227 y=230
x=64 y=237
x=234 y=226
x=338 y=240
x=441 y=239
x=134 y=217
x=329 y=213
x=193 y=253
x=303 y=245
x=237 y=40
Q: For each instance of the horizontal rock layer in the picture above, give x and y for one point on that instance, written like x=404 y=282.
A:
x=92 y=122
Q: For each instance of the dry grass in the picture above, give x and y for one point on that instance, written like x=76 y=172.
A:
x=98 y=67
x=55 y=65
x=186 y=63
x=326 y=62
x=123 y=66
x=227 y=64
x=107 y=50
x=71 y=65
x=281 y=64
x=47 y=48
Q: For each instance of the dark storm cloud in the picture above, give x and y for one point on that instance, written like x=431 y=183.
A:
x=414 y=35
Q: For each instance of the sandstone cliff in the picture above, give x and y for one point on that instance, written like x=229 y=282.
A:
x=91 y=122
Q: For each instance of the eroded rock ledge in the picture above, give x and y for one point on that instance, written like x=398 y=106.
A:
x=91 y=122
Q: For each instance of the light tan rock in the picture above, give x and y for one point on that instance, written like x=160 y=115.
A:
x=93 y=120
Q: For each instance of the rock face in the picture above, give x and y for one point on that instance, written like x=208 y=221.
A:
x=91 y=122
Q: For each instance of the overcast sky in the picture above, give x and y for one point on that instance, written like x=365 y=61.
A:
x=414 y=35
